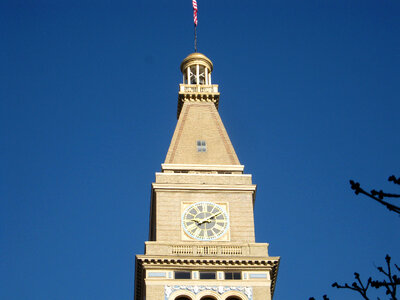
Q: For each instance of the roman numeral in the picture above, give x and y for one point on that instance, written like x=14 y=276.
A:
x=197 y=209
x=197 y=232
x=191 y=227
x=218 y=227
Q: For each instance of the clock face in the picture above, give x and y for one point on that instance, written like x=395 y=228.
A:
x=205 y=221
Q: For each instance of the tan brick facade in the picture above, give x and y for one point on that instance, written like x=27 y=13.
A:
x=200 y=121
x=201 y=167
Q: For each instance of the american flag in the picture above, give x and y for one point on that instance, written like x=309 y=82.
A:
x=194 y=2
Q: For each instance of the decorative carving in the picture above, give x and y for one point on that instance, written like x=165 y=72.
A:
x=195 y=289
x=197 y=93
x=209 y=261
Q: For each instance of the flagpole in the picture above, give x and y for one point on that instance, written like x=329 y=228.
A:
x=195 y=38
x=194 y=3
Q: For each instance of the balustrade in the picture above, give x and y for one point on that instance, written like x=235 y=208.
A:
x=206 y=250
x=198 y=88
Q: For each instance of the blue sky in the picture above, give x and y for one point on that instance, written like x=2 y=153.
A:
x=88 y=95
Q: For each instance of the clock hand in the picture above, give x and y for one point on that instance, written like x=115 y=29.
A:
x=214 y=215
x=208 y=219
x=203 y=221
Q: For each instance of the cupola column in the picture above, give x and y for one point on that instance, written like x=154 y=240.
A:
x=197 y=74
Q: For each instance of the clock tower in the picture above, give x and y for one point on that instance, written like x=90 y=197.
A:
x=201 y=238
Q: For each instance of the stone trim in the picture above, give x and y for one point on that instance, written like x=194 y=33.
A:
x=202 y=187
x=215 y=249
x=197 y=167
x=196 y=289
x=196 y=97
x=156 y=274
x=272 y=263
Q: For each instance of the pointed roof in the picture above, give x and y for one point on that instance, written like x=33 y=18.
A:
x=200 y=121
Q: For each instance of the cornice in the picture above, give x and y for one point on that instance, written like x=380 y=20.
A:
x=197 y=97
x=270 y=262
x=204 y=187
x=196 y=167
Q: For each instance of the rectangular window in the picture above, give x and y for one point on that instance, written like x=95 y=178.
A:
x=207 y=275
x=233 y=275
x=201 y=146
x=183 y=275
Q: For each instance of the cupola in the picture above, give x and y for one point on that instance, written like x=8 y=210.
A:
x=196 y=85
x=196 y=69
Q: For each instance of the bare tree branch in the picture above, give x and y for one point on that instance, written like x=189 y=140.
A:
x=391 y=285
x=358 y=287
x=393 y=178
x=379 y=196
x=324 y=297
x=391 y=281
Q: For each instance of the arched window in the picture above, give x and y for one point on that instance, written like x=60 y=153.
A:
x=207 y=298
x=233 y=298
x=182 y=298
